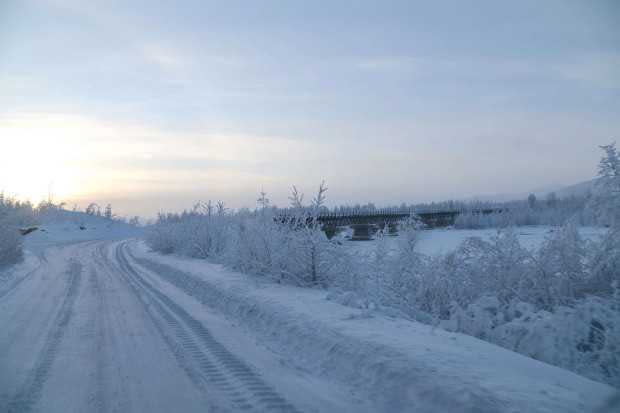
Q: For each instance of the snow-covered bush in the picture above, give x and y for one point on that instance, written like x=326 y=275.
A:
x=402 y=273
x=559 y=304
x=255 y=244
x=606 y=199
x=584 y=338
x=288 y=246
x=198 y=233
x=285 y=245
x=10 y=242
x=164 y=236
x=13 y=215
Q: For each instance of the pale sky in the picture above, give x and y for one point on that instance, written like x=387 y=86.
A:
x=155 y=105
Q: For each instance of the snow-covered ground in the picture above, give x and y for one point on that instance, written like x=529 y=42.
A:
x=67 y=227
x=92 y=322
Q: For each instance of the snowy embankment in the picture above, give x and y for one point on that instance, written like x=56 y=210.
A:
x=401 y=365
x=67 y=227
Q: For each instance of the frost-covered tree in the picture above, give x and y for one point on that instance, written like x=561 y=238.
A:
x=108 y=212
x=606 y=200
x=560 y=268
x=552 y=200
x=297 y=199
x=262 y=201
x=319 y=200
x=92 y=209
x=220 y=208
x=310 y=252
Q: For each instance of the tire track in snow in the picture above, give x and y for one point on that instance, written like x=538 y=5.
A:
x=182 y=359
x=98 y=399
x=30 y=391
x=108 y=396
x=180 y=341
x=221 y=368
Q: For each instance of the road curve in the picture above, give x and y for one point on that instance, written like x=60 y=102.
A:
x=90 y=330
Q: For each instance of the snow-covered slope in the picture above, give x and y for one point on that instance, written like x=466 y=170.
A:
x=580 y=189
x=65 y=227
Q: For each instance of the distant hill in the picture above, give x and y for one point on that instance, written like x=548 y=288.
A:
x=580 y=189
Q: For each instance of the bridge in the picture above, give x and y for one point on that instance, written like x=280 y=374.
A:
x=365 y=224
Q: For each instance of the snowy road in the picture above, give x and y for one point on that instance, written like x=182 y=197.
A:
x=90 y=330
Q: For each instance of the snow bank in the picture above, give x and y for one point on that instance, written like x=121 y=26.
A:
x=66 y=227
x=402 y=365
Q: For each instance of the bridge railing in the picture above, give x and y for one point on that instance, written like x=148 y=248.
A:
x=379 y=217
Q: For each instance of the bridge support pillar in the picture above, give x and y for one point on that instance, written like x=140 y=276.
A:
x=392 y=229
x=362 y=232
x=330 y=231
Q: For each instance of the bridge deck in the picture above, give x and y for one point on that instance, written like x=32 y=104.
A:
x=431 y=219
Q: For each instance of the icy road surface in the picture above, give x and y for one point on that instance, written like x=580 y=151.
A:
x=86 y=329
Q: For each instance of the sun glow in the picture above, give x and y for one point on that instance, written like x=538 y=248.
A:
x=38 y=157
x=78 y=159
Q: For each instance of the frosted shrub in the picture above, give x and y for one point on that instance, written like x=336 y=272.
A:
x=392 y=280
x=604 y=263
x=557 y=304
x=561 y=268
x=287 y=246
x=311 y=256
x=200 y=233
x=163 y=237
x=584 y=338
x=477 y=267
x=10 y=243
x=477 y=319
x=206 y=235
x=13 y=215
x=255 y=248
x=606 y=200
